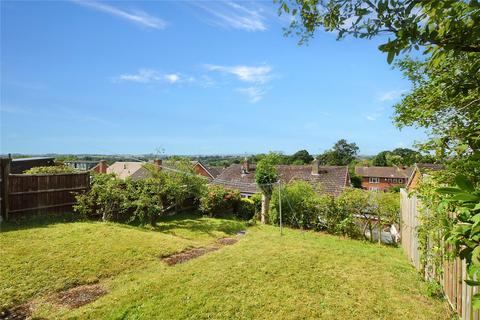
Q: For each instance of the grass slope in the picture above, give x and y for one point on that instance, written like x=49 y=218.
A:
x=263 y=276
x=45 y=257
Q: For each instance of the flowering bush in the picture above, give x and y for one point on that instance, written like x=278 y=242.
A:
x=217 y=200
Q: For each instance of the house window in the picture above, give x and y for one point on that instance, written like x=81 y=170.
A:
x=373 y=188
x=374 y=180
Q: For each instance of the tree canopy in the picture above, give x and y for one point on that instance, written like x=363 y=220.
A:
x=301 y=157
x=440 y=25
x=341 y=154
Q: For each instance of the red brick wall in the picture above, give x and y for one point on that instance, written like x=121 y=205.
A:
x=382 y=185
x=201 y=171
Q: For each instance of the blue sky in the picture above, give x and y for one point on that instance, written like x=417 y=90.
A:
x=186 y=77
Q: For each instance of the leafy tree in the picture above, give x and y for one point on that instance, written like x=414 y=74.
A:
x=400 y=156
x=301 y=157
x=265 y=176
x=380 y=160
x=445 y=100
x=342 y=154
x=443 y=26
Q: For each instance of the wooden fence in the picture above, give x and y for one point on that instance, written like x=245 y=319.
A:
x=457 y=292
x=23 y=194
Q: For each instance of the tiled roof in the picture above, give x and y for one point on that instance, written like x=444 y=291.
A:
x=383 y=172
x=215 y=171
x=123 y=170
x=331 y=180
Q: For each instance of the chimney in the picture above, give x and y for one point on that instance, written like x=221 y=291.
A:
x=315 y=167
x=246 y=166
x=158 y=163
x=102 y=167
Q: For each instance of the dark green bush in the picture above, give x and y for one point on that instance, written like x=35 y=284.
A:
x=246 y=209
x=299 y=206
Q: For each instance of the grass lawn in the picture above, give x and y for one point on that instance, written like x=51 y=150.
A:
x=264 y=275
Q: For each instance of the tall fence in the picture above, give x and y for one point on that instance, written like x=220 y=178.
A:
x=456 y=291
x=23 y=194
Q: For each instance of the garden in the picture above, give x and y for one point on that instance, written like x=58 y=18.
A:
x=171 y=246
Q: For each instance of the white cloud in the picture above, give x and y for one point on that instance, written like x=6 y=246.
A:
x=228 y=14
x=172 y=78
x=151 y=76
x=142 y=76
x=245 y=73
x=254 y=94
x=390 y=95
x=138 y=17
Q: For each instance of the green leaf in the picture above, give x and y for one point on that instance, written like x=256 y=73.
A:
x=476 y=255
x=476 y=301
x=448 y=190
x=463 y=183
x=465 y=197
x=472 y=283
x=390 y=56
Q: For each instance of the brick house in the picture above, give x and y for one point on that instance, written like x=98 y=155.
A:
x=383 y=178
x=206 y=171
x=419 y=171
x=325 y=179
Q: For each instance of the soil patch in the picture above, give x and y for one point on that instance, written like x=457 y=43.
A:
x=79 y=296
x=227 y=241
x=19 y=312
x=197 y=252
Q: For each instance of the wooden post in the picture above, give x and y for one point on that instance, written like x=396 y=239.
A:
x=4 y=188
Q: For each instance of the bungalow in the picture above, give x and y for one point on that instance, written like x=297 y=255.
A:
x=133 y=170
x=383 y=178
x=420 y=170
x=136 y=170
x=326 y=179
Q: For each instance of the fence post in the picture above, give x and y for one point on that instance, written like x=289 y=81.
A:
x=4 y=189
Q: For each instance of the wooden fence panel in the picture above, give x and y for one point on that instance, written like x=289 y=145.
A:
x=44 y=193
x=457 y=292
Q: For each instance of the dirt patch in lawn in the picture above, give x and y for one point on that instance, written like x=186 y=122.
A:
x=227 y=241
x=197 y=252
x=19 y=312
x=79 y=296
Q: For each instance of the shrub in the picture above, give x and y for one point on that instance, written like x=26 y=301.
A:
x=218 y=200
x=246 y=209
x=257 y=201
x=57 y=169
x=143 y=200
x=108 y=197
x=351 y=203
x=329 y=215
x=299 y=206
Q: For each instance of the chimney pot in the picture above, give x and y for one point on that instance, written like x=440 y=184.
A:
x=246 y=165
x=103 y=166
